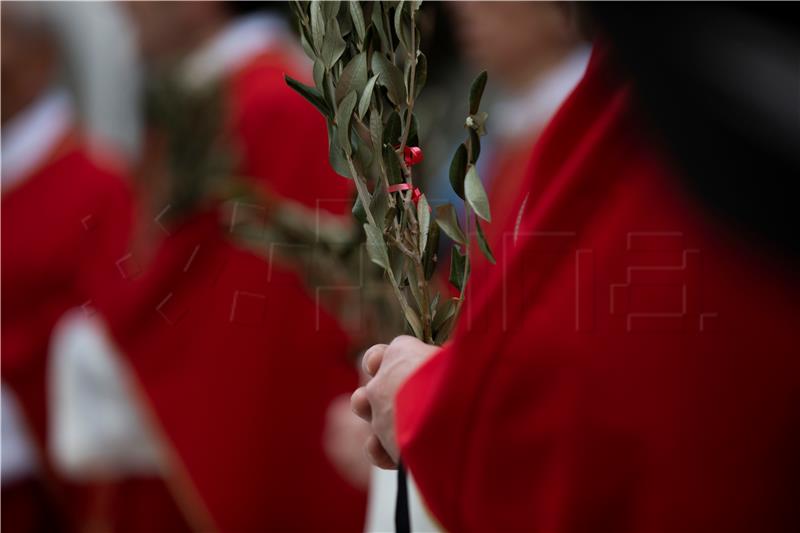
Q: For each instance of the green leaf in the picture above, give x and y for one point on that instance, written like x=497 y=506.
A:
x=484 y=244
x=336 y=158
x=476 y=195
x=421 y=75
x=398 y=261
x=402 y=25
x=430 y=258
x=393 y=170
x=333 y=46
x=319 y=75
x=377 y=23
x=424 y=221
x=330 y=8
x=389 y=76
x=343 y=116
x=310 y=94
x=413 y=319
x=458 y=262
x=445 y=311
x=444 y=331
x=317 y=25
x=366 y=96
x=358 y=211
x=447 y=220
x=345 y=23
x=376 y=133
x=379 y=205
x=358 y=19
x=307 y=48
x=413 y=131
x=376 y=246
x=458 y=170
x=392 y=129
x=353 y=77
x=476 y=92
x=413 y=285
x=362 y=147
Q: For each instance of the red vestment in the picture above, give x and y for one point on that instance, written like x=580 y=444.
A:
x=64 y=226
x=219 y=339
x=629 y=365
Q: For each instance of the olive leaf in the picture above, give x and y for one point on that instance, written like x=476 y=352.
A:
x=421 y=74
x=414 y=287
x=476 y=195
x=376 y=246
x=445 y=311
x=393 y=170
x=424 y=221
x=357 y=16
x=317 y=25
x=380 y=203
x=358 y=211
x=353 y=77
x=343 y=116
x=458 y=262
x=376 y=133
x=333 y=46
x=447 y=220
x=430 y=259
x=392 y=129
x=330 y=8
x=319 y=75
x=380 y=27
x=389 y=76
x=458 y=170
x=402 y=25
x=336 y=158
x=412 y=318
x=366 y=96
x=476 y=92
x=484 y=244
x=310 y=94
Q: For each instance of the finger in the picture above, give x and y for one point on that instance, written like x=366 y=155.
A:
x=360 y=404
x=378 y=455
x=371 y=361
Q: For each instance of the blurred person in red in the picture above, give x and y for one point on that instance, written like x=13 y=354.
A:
x=202 y=341
x=632 y=361
x=65 y=221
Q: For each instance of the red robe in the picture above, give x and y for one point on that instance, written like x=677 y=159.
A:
x=64 y=227
x=219 y=339
x=630 y=365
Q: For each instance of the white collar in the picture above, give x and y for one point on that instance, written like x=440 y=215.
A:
x=32 y=135
x=233 y=46
x=528 y=111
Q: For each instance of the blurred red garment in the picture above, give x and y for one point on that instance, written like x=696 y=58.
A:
x=631 y=364
x=65 y=218
x=216 y=335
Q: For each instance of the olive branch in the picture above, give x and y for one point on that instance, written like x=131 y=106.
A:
x=368 y=72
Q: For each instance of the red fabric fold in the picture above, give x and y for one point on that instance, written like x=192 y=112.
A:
x=617 y=371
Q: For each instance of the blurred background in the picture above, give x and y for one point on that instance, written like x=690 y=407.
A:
x=158 y=181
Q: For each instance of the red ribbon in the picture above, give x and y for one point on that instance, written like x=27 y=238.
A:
x=412 y=155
